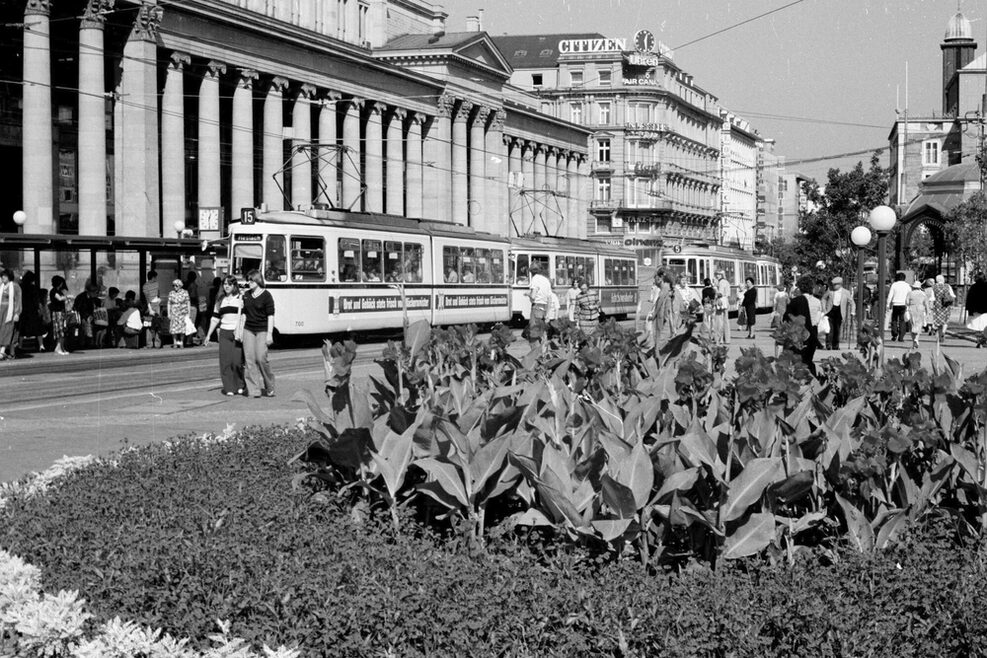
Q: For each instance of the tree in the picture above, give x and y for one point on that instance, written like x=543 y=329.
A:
x=837 y=209
x=966 y=232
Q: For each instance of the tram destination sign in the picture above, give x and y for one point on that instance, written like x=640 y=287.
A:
x=381 y=303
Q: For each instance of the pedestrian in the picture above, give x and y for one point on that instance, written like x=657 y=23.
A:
x=129 y=323
x=197 y=307
x=215 y=291
x=897 y=304
x=799 y=310
x=151 y=295
x=31 y=325
x=942 y=305
x=58 y=297
x=721 y=310
x=540 y=294
x=779 y=304
x=918 y=310
x=11 y=305
x=84 y=306
x=225 y=321
x=257 y=322
x=570 y=299
x=976 y=306
x=178 y=314
x=587 y=308
x=661 y=315
x=837 y=305
x=927 y=289
x=749 y=304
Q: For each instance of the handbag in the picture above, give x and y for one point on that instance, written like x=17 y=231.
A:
x=101 y=317
x=189 y=326
x=742 y=317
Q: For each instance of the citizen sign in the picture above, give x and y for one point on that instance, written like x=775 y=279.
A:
x=592 y=45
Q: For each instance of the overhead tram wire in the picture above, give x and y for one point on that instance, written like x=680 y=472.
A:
x=736 y=25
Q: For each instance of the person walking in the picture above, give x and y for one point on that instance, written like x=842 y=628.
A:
x=178 y=314
x=918 y=309
x=976 y=307
x=151 y=293
x=587 y=308
x=197 y=305
x=897 y=305
x=837 y=305
x=31 y=325
x=570 y=299
x=11 y=305
x=799 y=307
x=227 y=310
x=58 y=296
x=661 y=300
x=749 y=304
x=722 y=309
x=540 y=294
x=942 y=305
x=257 y=329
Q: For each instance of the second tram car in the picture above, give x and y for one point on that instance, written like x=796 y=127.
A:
x=698 y=263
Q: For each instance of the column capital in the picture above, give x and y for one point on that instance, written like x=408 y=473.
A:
x=376 y=107
x=214 y=69
x=481 y=116
x=277 y=85
x=399 y=113
x=356 y=103
x=331 y=97
x=38 y=8
x=444 y=105
x=178 y=60
x=94 y=15
x=147 y=22
x=463 y=113
x=418 y=117
x=497 y=120
x=306 y=91
x=246 y=78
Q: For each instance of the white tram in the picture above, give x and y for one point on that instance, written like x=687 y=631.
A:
x=699 y=262
x=336 y=271
x=611 y=271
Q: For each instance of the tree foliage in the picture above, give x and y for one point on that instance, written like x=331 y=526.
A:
x=966 y=232
x=837 y=209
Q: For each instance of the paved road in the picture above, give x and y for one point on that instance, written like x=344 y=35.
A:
x=98 y=402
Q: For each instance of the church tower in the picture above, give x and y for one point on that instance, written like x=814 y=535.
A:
x=957 y=47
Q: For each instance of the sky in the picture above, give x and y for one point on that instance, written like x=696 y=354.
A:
x=834 y=68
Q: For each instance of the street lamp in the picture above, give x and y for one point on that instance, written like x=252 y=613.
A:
x=860 y=237
x=882 y=220
x=179 y=227
x=19 y=218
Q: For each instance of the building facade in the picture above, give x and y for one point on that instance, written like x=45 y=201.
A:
x=146 y=118
x=739 y=148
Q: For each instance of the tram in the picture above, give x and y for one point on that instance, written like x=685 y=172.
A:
x=336 y=271
x=700 y=262
x=611 y=271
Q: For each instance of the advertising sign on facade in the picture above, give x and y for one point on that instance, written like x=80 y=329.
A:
x=602 y=45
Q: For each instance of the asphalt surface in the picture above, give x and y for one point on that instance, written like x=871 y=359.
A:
x=99 y=401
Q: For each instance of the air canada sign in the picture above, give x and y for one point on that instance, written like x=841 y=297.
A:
x=601 y=45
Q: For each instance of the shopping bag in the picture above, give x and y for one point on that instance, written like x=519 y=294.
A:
x=189 y=326
x=742 y=317
x=101 y=317
x=823 y=326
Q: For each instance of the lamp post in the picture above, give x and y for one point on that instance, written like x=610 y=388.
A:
x=860 y=237
x=179 y=227
x=882 y=219
x=19 y=218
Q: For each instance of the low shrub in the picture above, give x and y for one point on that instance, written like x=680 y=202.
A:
x=178 y=536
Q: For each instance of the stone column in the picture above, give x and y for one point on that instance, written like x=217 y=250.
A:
x=438 y=163
x=138 y=208
x=207 y=154
x=242 y=151
x=352 y=10
x=460 y=191
x=539 y=198
x=573 y=216
x=173 y=143
x=328 y=151
x=528 y=203
x=495 y=179
x=92 y=120
x=302 y=151
x=352 y=181
x=395 y=162
x=477 y=170
x=513 y=205
x=37 y=163
x=414 y=169
x=373 y=159
x=273 y=151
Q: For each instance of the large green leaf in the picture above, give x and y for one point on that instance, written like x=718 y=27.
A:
x=447 y=476
x=618 y=497
x=417 y=336
x=746 y=488
x=679 y=481
x=486 y=462
x=637 y=473
x=611 y=529
x=861 y=534
x=750 y=538
x=697 y=448
x=890 y=524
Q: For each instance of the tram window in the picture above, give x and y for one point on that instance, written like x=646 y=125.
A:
x=561 y=271
x=372 y=261
x=393 y=262
x=496 y=265
x=623 y=275
x=467 y=265
x=632 y=269
x=521 y=270
x=541 y=260
x=246 y=257
x=349 y=260
x=450 y=264
x=308 y=259
x=275 y=266
x=693 y=272
x=729 y=269
x=750 y=271
x=412 y=262
x=483 y=274
x=589 y=265
x=703 y=271
x=608 y=271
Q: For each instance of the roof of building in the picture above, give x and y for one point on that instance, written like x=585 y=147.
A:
x=442 y=41
x=536 y=51
x=977 y=64
x=962 y=173
x=958 y=28
x=943 y=190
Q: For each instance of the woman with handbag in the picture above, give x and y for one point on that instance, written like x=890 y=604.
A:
x=749 y=304
x=942 y=305
x=226 y=315
x=178 y=315
x=587 y=308
x=917 y=309
x=58 y=296
x=10 y=313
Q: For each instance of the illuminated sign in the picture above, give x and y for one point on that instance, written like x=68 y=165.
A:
x=637 y=59
x=643 y=242
x=601 y=45
x=646 y=81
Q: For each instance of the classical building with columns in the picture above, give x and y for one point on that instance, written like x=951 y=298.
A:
x=134 y=118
